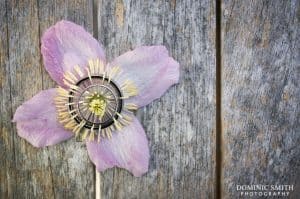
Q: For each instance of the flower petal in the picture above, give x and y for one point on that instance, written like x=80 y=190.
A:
x=65 y=45
x=127 y=149
x=36 y=120
x=152 y=70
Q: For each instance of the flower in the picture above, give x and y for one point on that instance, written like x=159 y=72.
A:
x=96 y=100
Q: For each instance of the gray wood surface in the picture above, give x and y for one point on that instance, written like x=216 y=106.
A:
x=260 y=95
x=180 y=125
x=62 y=171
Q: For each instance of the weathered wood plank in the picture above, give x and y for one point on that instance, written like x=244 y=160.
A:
x=28 y=175
x=6 y=144
x=180 y=125
x=72 y=171
x=62 y=171
x=260 y=96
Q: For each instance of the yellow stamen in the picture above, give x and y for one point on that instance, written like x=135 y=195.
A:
x=129 y=88
x=85 y=134
x=71 y=75
x=131 y=106
x=70 y=78
x=108 y=133
x=91 y=66
x=117 y=124
x=78 y=71
x=89 y=74
x=92 y=134
x=113 y=73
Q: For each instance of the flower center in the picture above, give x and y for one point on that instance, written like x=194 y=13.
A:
x=97 y=104
x=93 y=104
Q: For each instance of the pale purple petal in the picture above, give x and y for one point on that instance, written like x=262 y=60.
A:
x=126 y=149
x=65 y=45
x=152 y=70
x=37 y=123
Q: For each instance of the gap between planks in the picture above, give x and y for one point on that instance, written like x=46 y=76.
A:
x=218 y=168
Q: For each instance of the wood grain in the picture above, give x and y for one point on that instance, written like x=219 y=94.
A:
x=6 y=142
x=260 y=95
x=181 y=139
x=62 y=171
x=181 y=125
x=259 y=99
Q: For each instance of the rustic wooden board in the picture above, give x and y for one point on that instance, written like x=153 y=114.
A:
x=182 y=140
x=260 y=94
x=180 y=125
x=260 y=97
x=62 y=171
x=6 y=143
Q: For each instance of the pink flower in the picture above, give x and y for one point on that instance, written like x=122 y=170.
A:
x=96 y=100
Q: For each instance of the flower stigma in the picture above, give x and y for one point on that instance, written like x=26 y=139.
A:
x=97 y=104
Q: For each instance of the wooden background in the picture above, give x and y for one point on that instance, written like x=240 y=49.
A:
x=233 y=119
